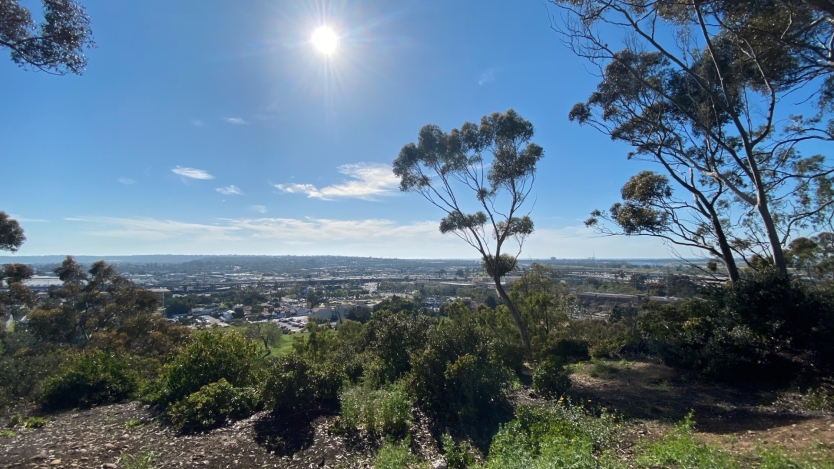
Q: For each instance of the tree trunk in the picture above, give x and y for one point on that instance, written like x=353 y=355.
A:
x=726 y=252
x=522 y=329
x=776 y=253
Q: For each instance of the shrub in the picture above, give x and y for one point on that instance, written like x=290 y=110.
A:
x=93 y=378
x=393 y=455
x=384 y=411
x=455 y=455
x=455 y=375
x=22 y=375
x=294 y=385
x=557 y=436
x=210 y=356
x=678 y=449
x=35 y=422
x=550 y=379
x=394 y=338
x=212 y=406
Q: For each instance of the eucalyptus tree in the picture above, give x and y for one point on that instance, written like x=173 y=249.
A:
x=55 y=45
x=480 y=175
x=649 y=208
x=698 y=88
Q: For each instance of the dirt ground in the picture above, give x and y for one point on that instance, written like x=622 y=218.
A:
x=649 y=397
x=652 y=397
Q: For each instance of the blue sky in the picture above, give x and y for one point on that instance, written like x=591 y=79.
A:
x=216 y=127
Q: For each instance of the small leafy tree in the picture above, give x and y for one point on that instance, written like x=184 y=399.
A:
x=443 y=166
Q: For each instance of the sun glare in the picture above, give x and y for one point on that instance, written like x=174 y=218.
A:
x=325 y=40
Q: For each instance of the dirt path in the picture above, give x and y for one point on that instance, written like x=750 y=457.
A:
x=653 y=397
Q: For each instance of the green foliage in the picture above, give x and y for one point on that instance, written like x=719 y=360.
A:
x=550 y=379
x=22 y=374
x=385 y=411
x=319 y=344
x=455 y=454
x=11 y=234
x=396 y=455
x=293 y=385
x=212 y=406
x=456 y=375
x=208 y=357
x=745 y=330
x=394 y=338
x=777 y=459
x=678 y=450
x=94 y=378
x=35 y=422
x=144 y=460
x=551 y=437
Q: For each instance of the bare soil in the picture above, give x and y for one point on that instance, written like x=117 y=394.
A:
x=650 y=398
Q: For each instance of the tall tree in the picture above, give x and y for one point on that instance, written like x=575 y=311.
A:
x=56 y=45
x=442 y=167
x=698 y=89
x=650 y=209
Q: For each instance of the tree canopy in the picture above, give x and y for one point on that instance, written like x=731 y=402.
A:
x=701 y=89
x=55 y=45
x=443 y=167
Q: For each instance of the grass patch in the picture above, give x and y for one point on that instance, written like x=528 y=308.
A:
x=284 y=345
x=396 y=455
x=6 y=433
x=143 y=460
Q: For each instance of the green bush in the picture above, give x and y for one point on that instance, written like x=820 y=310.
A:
x=394 y=338
x=93 y=378
x=22 y=374
x=550 y=379
x=396 y=455
x=384 y=411
x=678 y=449
x=212 y=406
x=456 y=375
x=550 y=437
x=746 y=330
x=455 y=455
x=210 y=356
x=293 y=385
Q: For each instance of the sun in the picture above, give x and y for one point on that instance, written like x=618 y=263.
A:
x=325 y=40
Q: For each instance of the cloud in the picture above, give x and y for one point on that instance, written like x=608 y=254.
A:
x=368 y=181
x=487 y=76
x=236 y=121
x=258 y=208
x=126 y=181
x=229 y=190
x=27 y=220
x=192 y=173
x=323 y=236
x=196 y=122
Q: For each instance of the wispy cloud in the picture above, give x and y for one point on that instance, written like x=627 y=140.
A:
x=230 y=190
x=236 y=121
x=196 y=122
x=259 y=208
x=368 y=181
x=27 y=220
x=192 y=173
x=321 y=236
x=126 y=181
x=487 y=76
